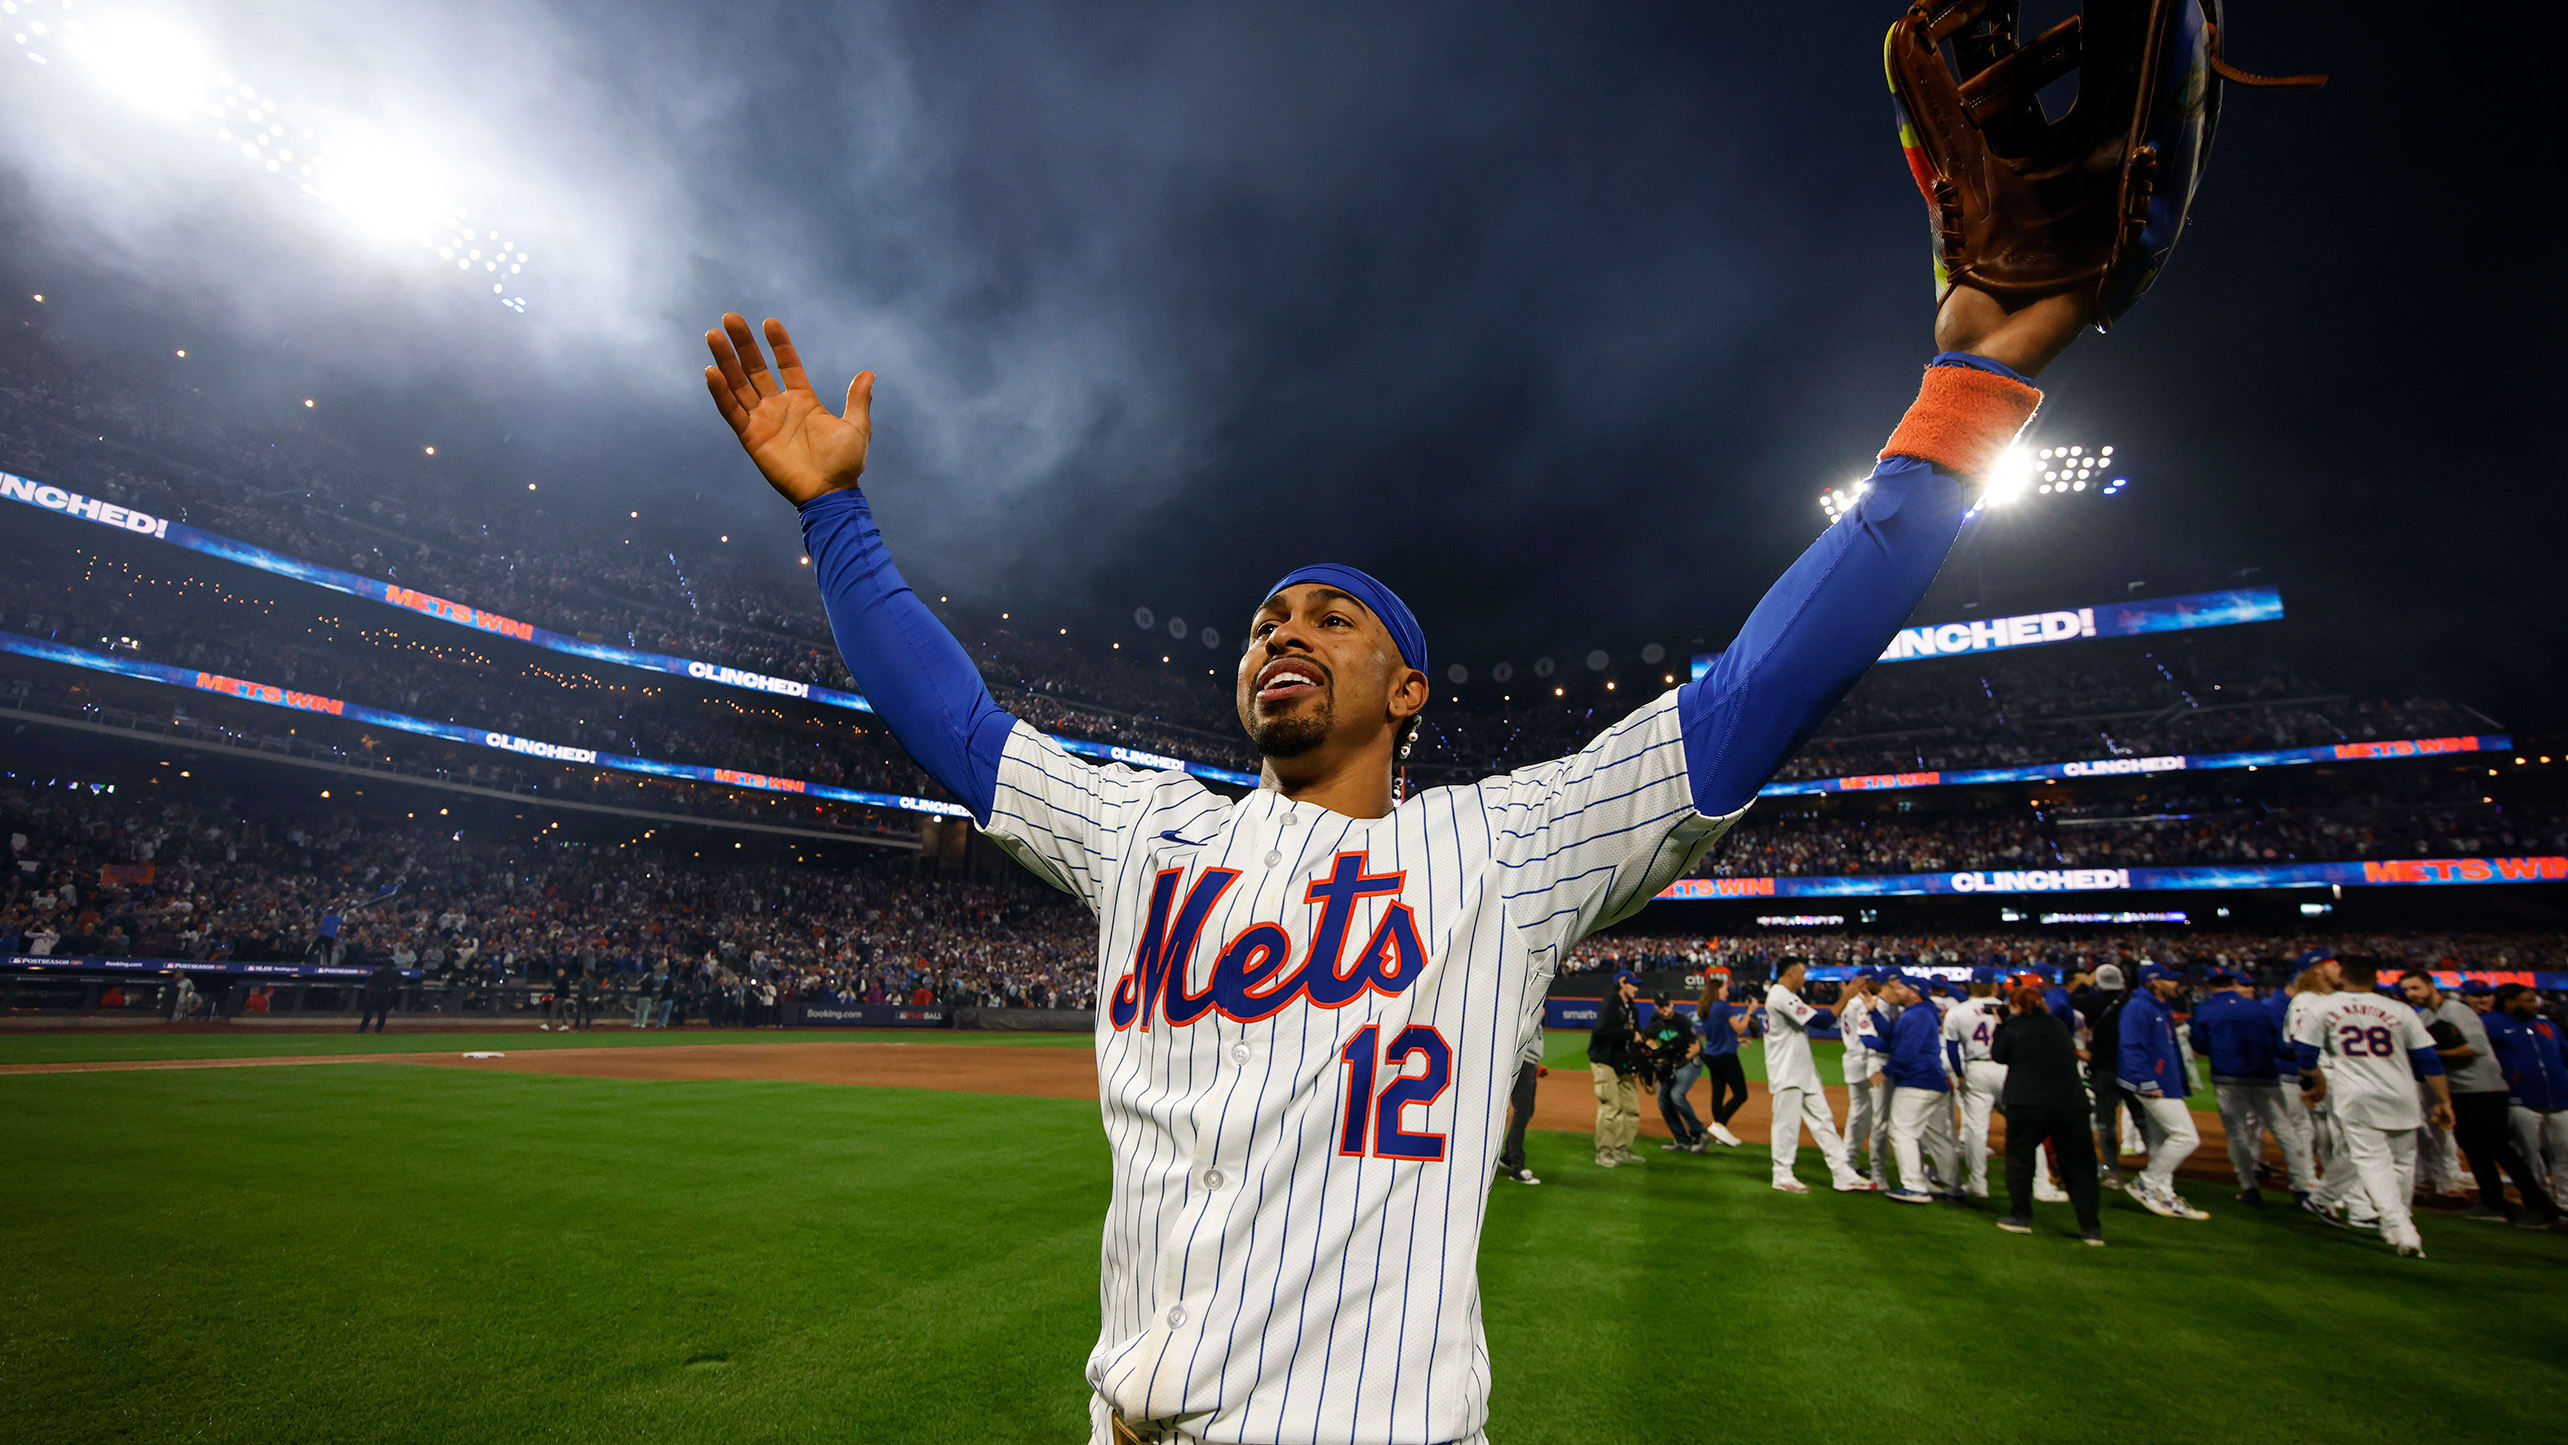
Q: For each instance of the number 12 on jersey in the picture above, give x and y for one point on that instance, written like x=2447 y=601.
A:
x=1373 y=1117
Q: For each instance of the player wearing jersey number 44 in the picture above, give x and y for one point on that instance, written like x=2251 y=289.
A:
x=1312 y=997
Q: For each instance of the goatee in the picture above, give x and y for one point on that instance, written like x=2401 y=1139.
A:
x=1292 y=734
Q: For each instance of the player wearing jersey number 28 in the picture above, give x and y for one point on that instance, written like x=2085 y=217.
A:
x=1314 y=996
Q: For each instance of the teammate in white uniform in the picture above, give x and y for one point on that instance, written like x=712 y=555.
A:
x=2365 y=1054
x=1792 y=1079
x=1313 y=996
x=2335 y=1199
x=1861 y=1012
x=1968 y=1026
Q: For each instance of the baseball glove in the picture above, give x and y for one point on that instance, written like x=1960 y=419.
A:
x=2024 y=205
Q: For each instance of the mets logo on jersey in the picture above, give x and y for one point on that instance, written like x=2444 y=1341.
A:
x=1255 y=975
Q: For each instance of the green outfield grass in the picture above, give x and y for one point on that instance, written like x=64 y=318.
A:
x=120 y=1046
x=363 y=1253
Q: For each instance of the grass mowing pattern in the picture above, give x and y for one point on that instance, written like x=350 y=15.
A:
x=360 y=1253
x=83 y=1047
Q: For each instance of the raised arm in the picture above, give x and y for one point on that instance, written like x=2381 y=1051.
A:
x=1835 y=609
x=915 y=674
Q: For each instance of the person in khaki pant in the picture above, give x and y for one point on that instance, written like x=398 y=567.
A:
x=1612 y=1057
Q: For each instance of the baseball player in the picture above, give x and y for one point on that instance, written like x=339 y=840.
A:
x=2240 y=1037
x=1313 y=996
x=1921 y=1096
x=1968 y=1026
x=2156 y=1078
x=2336 y=1199
x=1867 y=1103
x=1792 y=1082
x=2364 y=1055
x=1520 y=1107
x=2529 y=1048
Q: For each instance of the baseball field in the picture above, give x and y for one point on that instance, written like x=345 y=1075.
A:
x=753 y=1237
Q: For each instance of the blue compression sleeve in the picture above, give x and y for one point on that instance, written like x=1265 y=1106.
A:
x=2308 y=1056
x=2426 y=1062
x=1820 y=627
x=912 y=670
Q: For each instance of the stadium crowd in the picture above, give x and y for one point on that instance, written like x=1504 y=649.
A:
x=110 y=875
x=309 y=496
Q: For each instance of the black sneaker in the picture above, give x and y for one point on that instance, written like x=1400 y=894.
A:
x=2094 y=1237
x=2484 y=1214
x=2530 y=1220
x=2251 y=1195
x=2013 y=1225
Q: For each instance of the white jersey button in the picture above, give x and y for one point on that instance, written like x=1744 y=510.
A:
x=1273 y=857
x=1212 y=1179
x=1239 y=1053
x=1176 y=1317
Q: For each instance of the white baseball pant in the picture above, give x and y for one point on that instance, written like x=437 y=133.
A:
x=1923 y=1117
x=2542 y=1139
x=1794 y=1108
x=1868 y=1126
x=2438 y=1153
x=2384 y=1169
x=1983 y=1083
x=2169 y=1130
x=2249 y=1110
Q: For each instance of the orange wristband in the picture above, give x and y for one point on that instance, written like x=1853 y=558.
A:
x=1962 y=419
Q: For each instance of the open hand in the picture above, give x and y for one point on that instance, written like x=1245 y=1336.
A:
x=801 y=448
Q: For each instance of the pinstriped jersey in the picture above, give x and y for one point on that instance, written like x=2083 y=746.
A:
x=1307 y=1029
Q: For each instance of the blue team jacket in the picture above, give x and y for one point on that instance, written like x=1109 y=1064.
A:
x=1915 y=1049
x=2150 y=1058
x=2238 y=1035
x=2536 y=1071
x=2278 y=1007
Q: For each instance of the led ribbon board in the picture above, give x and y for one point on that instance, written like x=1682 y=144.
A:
x=2376 y=873
x=274 y=696
x=2077 y=624
x=143 y=524
x=2137 y=766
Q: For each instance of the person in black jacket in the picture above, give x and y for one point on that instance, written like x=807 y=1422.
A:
x=2043 y=1105
x=1612 y=1060
x=376 y=995
x=2099 y=1001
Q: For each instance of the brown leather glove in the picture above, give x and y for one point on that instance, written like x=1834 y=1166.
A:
x=2024 y=205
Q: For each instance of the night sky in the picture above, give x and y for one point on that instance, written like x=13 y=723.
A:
x=1557 y=318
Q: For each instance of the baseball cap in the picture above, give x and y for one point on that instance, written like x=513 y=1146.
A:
x=2152 y=972
x=2477 y=985
x=1627 y=976
x=1396 y=617
x=2311 y=958
x=1986 y=974
x=2109 y=976
x=1869 y=974
x=2222 y=975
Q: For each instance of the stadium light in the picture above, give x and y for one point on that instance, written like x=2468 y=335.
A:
x=145 y=62
x=385 y=188
x=2007 y=478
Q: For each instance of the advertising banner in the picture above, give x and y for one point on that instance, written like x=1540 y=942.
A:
x=462 y=614
x=872 y=1016
x=275 y=696
x=2228 y=608
x=2377 y=873
x=2147 y=766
